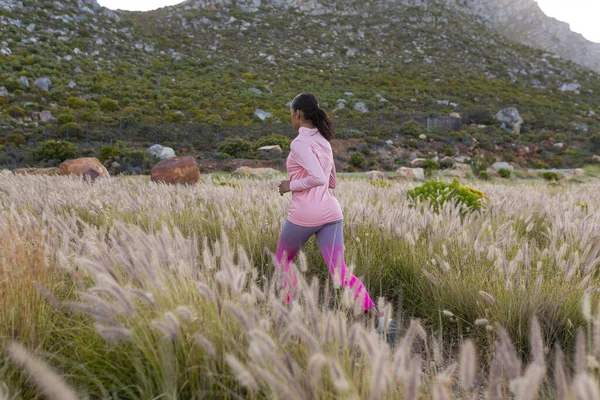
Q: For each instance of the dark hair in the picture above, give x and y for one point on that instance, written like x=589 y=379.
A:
x=309 y=105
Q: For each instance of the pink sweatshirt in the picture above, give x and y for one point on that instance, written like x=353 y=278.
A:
x=311 y=170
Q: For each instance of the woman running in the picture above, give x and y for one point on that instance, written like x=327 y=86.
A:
x=314 y=210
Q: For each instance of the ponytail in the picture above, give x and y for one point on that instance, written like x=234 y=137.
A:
x=308 y=104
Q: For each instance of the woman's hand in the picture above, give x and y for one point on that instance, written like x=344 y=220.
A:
x=284 y=187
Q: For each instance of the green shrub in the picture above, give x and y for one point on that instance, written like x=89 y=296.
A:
x=56 y=150
x=273 y=140
x=381 y=183
x=71 y=130
x=504 y=173
x=175 y=116
x=411 y=128
x=108 y=152
x=16 y=112
x=430 y=166
x=76 y=103
x=551 y=176
x=228 y=184
x=109 y=105
x=65 y=119
x=449 y=152
x=413 y=144
x=483 y=174
x=438 y=193
x=16 y=139
x=236 y=147
x=357 y=160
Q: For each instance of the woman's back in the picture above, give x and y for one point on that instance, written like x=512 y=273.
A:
x=311 y=168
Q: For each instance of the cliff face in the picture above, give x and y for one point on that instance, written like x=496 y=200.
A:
x=523 y=21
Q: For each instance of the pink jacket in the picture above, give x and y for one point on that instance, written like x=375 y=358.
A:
x=311 y=170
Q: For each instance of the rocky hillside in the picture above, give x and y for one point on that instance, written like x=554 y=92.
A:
x=524 y=21
x=211 y=68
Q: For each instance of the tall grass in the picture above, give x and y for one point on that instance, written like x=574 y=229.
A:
x=135 y=290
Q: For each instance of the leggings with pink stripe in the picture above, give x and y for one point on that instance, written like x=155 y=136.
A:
x=330 y=238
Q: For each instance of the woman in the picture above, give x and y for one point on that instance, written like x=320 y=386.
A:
x=314 y=210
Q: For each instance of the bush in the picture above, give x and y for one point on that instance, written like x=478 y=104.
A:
x=449 y=152
x=273 y=140
x=56 y=150
x=108 y=152
x=381 y=183
x=16 y=139
x=236 y=147
x=16 y=112
x=504 y=173
x=76 y=103
x=175 y=116
x=430 y=166
x=109 y=105
x=357 y=160
x=438 y=193
x=411 y=128
x=483 y=174
x=65 y=119
x=551 y=176
x=71 y=130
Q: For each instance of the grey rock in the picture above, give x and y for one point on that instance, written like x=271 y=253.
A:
x=348 y=94
x=161 y=152
x=502 y=165
x=569 y=87
x=361 y=107
x=511 y=117
x=72 y=85
x=559 y=145
x=46 y=116
x=24 y=81
x=255 y=90
x=76 y=51
x=43 y=83
x=581 y=127
x=99 y=42
x=417 y=162
x=380 y=98
x=30 y=27
x=262 y=115
x=3 y=91
x=447 y=162
x=5 y=51
x=68 y=58
x=78 y=70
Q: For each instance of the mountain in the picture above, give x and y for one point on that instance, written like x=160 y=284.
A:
x=525 y=22
x=214 y=68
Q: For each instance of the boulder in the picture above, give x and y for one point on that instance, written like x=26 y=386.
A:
x=247 y=172
x=24 y=81
x=417 y=162
x=271 y=151
x=46 y=116
x=176 y=170
x=569 y=87
x=43 y=83
x=89 y=167
x=375 y=175
x=501 y=165
x=455 y=115
x=3 y=91
x=578 y=172
x=458 y=173
x=37 y=171
x=559 y=145
x=447 y=162
x=423 y=136
x=361 y=107
x=596 y=159
x=511 y=117
x=461 y=167
x=262 y=114
x=411 y=173
x=161 y=152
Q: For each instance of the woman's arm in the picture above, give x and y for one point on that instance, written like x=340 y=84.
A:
x=332 y=177
x=307 y=159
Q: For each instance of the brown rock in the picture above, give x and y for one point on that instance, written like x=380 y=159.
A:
x=176 y=170
x=375 y=175
x=89 y=167
x=458 y=173
x=248 y=172
x=411 y=173
x=37 y=171
x=596 y=158
x=461 y=167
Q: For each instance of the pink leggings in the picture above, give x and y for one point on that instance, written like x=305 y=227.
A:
x=331 y=243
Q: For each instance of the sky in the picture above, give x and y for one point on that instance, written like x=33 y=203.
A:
x=581 y=15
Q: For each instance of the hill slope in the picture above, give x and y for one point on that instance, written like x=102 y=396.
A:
x=207 y=66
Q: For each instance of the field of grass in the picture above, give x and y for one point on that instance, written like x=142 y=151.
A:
x=132 y=290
